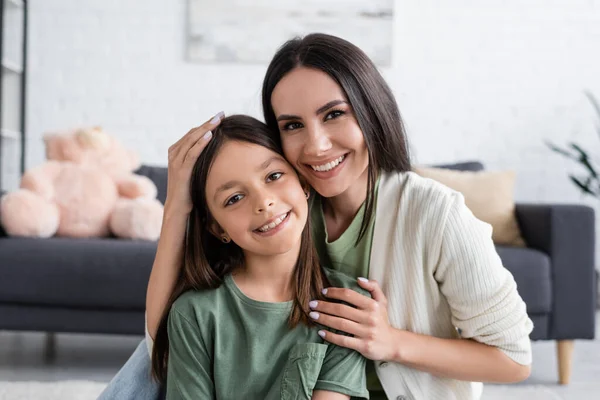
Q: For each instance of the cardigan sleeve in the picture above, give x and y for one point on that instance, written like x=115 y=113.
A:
x=482 y=294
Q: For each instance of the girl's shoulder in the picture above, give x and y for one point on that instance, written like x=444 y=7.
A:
x=341 y=280
x=193 y=302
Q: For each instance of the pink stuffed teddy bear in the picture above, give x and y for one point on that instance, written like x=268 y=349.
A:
x=87 y=188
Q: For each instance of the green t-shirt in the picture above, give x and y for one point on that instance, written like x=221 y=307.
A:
x=225 y=345
x=344 y=255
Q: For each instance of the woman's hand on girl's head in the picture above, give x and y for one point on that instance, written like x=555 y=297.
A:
x=367 y=321
x=182 y=157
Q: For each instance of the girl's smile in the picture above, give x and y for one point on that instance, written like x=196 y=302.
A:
x=274 y=225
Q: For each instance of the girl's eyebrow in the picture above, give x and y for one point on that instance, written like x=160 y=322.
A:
x=324 y=107
x=225 y=186
x=268 y=162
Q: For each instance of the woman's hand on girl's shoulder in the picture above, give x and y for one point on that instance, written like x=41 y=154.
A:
x=182 y=157
x=366 y=320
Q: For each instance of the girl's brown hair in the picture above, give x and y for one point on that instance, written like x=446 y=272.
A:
x=207 y=260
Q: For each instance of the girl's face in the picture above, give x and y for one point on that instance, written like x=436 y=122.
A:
x=256 y=198
x=319 y=133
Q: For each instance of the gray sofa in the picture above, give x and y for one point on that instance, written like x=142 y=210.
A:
x=99 y=285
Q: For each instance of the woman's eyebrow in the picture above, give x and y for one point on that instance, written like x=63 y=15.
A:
x=324 y=107
x=332 y=103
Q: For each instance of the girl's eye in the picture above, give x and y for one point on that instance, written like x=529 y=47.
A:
x=334 y=114
x=234 y=199
x=292 y=126
x=274 y=176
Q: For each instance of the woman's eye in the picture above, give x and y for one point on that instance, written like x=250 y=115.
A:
x=234 y=199
x=292 y=126
x=334 y=114
x=274 y=176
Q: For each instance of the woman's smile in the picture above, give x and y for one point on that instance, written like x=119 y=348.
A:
x=328 y=168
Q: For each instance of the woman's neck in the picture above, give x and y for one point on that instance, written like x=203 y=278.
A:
x=340 y=210
x=268 y=278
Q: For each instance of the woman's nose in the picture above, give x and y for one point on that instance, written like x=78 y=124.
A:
x=318 y=142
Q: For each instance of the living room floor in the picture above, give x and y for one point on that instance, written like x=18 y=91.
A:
x=99 y=357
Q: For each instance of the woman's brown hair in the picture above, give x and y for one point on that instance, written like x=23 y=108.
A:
x=372 y=101
x=207 y=260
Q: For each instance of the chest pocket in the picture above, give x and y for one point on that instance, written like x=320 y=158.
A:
x=302 y=371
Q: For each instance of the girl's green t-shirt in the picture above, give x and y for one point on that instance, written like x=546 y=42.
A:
x=225 y=345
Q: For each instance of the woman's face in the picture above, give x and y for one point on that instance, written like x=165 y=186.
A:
x=256 y=198
x=319 y=132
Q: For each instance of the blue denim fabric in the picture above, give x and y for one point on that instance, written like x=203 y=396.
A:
x=134 y=381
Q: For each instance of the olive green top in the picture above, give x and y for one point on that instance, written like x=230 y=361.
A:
x=225 y=345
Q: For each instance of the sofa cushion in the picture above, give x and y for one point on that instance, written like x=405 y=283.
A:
x=158 y=175
x=532 y=272
x=488 y=194
x=94 y=273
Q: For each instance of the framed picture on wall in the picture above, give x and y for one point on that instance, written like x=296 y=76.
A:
x=250 y=31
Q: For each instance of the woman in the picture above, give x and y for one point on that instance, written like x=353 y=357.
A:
x=448 y=313
x=340 y=128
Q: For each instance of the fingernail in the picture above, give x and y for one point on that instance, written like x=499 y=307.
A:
x=314 y=315
x=207 y=135
x=321 y=333
x=324 y=291
x=217 y=117
x=363 y=279
x=313 y=304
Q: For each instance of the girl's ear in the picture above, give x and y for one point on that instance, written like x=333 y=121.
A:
x=218 y=232
x=305 y=185
x=215 y=229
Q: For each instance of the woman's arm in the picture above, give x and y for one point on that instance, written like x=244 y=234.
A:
x=484 y=302
x=461 y=359
x=327 y=395
x=166 y=267
x=169 y=253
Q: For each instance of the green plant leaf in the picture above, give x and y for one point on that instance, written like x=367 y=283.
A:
x=584 y=159
x=593 y=100
x=583 y=186
x=558 y=150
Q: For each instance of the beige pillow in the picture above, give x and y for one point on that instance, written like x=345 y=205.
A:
x=488 y=194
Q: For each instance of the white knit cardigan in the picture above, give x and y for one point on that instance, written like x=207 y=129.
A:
x=441 y=274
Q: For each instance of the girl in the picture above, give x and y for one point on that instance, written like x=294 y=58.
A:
x=237 y=322
x=447 y=313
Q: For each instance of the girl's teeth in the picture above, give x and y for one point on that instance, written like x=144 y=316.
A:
x=329 y=166
x=273 y=224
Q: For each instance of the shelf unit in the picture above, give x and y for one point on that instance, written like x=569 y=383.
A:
x=13 y=74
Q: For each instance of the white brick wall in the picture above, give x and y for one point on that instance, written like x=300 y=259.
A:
x=475 y=80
